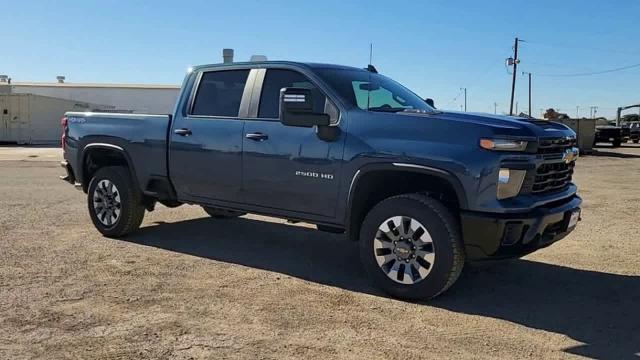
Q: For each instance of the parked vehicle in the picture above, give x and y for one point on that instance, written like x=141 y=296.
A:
x=348 y=149
x=610 y=133
x=634 y=132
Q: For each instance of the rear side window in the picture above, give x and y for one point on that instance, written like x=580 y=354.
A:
x=276 y=79
x=220 y=93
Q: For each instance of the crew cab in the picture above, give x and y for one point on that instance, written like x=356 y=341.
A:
x=348 y=149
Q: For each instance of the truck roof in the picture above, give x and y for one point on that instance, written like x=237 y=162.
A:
x=295 y=63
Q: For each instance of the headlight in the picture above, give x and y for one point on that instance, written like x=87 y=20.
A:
x=509 y=182
x=503 y=145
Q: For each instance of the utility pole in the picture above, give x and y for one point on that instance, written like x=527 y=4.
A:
x=495 y=108
x=465 y=98
x=524 y=72
x=578 y=112
x=516 y=108
x=460 y=107
x=513 y=62
x=592 y=111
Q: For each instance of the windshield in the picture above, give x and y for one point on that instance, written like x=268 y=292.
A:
x=373 y=92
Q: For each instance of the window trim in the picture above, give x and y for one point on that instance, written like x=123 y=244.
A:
x=243 y=110
x=254 y=107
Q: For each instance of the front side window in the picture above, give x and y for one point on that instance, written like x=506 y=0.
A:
x=276 y=79
x=220 y=93
x=373 y=92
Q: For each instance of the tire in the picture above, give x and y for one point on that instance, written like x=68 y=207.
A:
x=426 y=278
x=222 y=213
x=616 y=143
x=635 y=141
x=123 y=208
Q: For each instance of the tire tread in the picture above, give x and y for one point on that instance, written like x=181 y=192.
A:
x=132 y=218
x=451 y=224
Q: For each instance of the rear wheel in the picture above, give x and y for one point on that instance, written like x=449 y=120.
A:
x=635 y=141
x=114 y=201
x=221 y=213
x=616 y=143
x=410 y=245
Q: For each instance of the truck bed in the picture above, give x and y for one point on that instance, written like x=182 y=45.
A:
x=142 y=137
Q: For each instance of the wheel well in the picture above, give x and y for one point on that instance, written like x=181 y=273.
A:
x=97 y=158
x=376 y=186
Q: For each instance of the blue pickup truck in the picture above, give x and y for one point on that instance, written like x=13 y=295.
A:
x=350 y=150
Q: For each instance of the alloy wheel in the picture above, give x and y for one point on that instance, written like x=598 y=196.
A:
x=106 y=202
x=404 y=250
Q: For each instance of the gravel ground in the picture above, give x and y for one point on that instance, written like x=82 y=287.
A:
x=187 y=286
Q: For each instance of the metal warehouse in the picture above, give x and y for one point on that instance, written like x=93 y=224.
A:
x=30 y=112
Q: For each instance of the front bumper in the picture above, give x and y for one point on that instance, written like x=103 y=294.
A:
x=492 y=236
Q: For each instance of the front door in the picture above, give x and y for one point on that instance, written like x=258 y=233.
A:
x=285 y=167
x=206 y=144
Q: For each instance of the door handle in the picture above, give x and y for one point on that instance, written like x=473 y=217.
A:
x=182 y=132
x=257 y=136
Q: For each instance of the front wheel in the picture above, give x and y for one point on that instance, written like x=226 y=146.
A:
x=114 y=201
x=410 y=246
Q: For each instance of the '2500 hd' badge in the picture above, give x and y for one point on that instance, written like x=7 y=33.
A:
x=313 y=174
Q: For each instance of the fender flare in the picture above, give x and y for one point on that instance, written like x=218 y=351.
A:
x=102 y=145
x=408 y=167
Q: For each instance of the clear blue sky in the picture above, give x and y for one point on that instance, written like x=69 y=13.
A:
x=433 y=47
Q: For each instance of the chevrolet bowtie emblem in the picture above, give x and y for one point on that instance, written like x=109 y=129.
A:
x=570 y=155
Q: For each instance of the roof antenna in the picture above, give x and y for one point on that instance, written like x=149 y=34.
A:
x=369 y=67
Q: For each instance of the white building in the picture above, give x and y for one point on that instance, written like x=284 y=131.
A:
x=30 y=112
x=156 y=99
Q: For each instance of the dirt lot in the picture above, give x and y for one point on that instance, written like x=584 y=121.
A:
x=187 y=286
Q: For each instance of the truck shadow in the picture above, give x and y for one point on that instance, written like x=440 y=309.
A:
x=600 y=310
x=620 y=155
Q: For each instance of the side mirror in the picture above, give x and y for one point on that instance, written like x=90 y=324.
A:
x=296 y=109
x=430 y=102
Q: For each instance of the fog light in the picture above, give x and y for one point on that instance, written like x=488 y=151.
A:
x=509 y=182
x=503 y=176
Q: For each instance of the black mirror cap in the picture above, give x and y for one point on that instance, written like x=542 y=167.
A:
x=430 y=102
x=296 y=109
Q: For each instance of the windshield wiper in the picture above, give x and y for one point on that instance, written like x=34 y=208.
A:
x=420 y=111
x=387 y=109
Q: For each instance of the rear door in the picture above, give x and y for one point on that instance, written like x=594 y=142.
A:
x=206 y=141
x=284 y=167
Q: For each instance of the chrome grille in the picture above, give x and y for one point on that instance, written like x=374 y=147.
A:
x=554 y=174
x=555 y=146
x=551 y=177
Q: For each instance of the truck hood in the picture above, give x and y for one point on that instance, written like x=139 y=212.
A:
x=529 y=127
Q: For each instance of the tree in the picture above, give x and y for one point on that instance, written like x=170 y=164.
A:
x=631 y=118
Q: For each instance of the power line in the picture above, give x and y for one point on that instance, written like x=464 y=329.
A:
x=590 y=48
x=593 y=72
x=483 y=74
